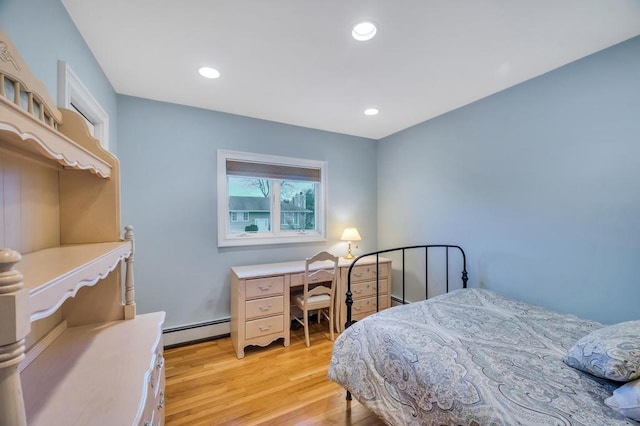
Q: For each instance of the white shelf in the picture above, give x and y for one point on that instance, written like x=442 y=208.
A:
x=21 y=131
x=95 y=374
x=56 y=274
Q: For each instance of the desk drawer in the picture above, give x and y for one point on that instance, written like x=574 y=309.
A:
x=263 y=307
x=265 y=326
x=261 y=287
x=368 y=288
x=298 y=279
x=368 y=272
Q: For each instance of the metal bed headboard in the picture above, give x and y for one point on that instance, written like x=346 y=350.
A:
x=446 y=247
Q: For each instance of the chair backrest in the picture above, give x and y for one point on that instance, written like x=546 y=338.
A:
x=326 y=275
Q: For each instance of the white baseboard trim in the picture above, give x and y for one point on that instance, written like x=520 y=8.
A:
x=196 y=332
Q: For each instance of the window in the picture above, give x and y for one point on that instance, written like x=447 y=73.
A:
x=266 y=199
x=72 y=94
x=239 y=216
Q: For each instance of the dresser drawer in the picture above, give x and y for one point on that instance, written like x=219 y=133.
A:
x=261 y=287
x=263 y=307
x=148 y=418
x=160 y=376
x=264 y=327
x=154 y=404
x=156 y=376
x=153 y=414
x=368 y=288
x=158 y=419
x=367 y=306
x=368 y=272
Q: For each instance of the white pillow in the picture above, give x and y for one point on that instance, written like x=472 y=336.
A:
x=626 y=399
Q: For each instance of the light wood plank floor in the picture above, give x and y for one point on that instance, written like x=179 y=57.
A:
x=207 y=385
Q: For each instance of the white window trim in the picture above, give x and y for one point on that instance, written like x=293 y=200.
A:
x=249 y=239
x=72 y=91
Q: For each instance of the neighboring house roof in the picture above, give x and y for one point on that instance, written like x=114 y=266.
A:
x=260 y=204
x=253 y=204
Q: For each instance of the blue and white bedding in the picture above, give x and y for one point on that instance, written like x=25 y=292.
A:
x=471 y=357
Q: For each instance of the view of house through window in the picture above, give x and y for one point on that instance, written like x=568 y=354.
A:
x=272 y=198
x=250 y=204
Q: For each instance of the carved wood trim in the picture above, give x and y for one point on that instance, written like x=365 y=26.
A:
x=13 y=68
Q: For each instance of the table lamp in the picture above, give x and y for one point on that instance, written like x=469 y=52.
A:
x=350 y=234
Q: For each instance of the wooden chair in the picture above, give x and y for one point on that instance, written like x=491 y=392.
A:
x=319 y=291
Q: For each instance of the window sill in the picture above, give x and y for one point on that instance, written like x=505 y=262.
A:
x=254 y=239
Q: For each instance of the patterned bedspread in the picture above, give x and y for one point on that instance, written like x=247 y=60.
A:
x=471 y=357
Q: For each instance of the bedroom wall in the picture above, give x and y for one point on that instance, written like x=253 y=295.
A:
x=44 y=34
x=539 y=183
x=169 y=184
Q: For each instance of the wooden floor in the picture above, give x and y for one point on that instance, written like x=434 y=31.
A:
x=207 y=385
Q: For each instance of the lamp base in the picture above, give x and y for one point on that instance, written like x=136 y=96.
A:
x=349 y=254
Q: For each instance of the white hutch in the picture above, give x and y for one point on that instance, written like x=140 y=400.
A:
x=72 y=349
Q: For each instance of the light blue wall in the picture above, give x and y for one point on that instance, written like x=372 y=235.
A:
x=168 y=160
x=44 y=34
x=539 y=183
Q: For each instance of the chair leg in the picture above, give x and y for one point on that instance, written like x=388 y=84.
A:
x=306 y=327
x=331 y=320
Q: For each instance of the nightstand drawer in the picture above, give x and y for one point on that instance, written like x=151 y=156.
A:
x=368 y=288
x=261 y=287
x=263 y=307
x=368 y=272
x=263 y=327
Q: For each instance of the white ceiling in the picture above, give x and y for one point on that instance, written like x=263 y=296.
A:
x=295 y=62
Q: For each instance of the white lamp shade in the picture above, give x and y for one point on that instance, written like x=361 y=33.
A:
x=350 y=234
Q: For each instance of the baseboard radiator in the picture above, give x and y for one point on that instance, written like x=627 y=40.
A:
x=202 y=331
x=198 y=332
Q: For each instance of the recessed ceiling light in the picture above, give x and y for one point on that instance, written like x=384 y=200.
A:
x=364 y=31
x=371 y=111
x=209 y=72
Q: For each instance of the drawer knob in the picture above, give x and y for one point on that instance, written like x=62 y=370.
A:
x=265 y=308
x=265 y=327
x=161 y=402
x=160 y=363
x=358 y=274
x=264 y=287
x=152 y=381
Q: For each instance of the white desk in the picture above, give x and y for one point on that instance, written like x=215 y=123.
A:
x=261 y=294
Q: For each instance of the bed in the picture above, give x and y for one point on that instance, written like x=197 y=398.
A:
x=472 y=357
